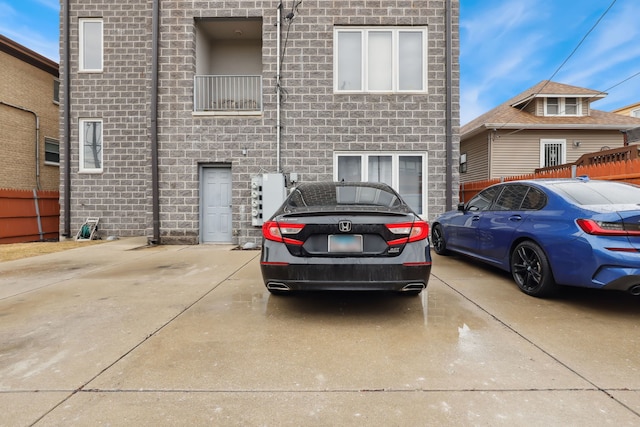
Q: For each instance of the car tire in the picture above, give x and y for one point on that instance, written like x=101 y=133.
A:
x=531 y=270
x=438 y=241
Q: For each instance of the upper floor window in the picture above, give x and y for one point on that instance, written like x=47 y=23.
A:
x=555 y=106
x=51 y=151
x=380 y=59
x=90 y=145
x=91 y=44
x=635 y=113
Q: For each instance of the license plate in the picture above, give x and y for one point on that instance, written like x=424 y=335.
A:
x=345 y=243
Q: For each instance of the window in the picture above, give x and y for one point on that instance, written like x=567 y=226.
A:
x=571 y=106
x=90 y=145
x=380 y=59
x=562 y=106
x=51 y=151
x=463 y=163
x=404 y=172
x=90 y=44
x=56 y=91
x=482 y=201
x=511 y=197
x=635 y=113
x=552 y=152
x=553 y=106
x=534 y=200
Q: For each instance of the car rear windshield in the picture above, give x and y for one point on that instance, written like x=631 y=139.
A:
x=332 y=195
x=599 y=193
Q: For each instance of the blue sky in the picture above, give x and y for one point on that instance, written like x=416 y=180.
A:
x=506 y=46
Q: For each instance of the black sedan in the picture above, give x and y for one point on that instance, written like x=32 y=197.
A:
x=346 y=236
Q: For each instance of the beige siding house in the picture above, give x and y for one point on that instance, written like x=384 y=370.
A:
x=632 y=110
x=547 y=125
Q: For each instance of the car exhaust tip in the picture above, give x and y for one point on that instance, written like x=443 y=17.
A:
x=277 y=286
x=635 y=290
x=414 y=287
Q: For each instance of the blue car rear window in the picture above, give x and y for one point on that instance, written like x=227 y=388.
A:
x=599 y=193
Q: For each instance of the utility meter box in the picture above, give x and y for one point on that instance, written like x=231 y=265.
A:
x=268 y=191
x=256 y=200
x=273 y=193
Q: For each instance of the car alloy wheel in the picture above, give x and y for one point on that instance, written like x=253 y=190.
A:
x=437 y=239
x=531 y=271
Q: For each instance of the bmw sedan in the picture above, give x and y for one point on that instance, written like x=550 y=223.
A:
x=575 y=232
x=345 y=236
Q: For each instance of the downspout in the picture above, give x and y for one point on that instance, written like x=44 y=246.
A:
x=66 y=121
x=37 y=142
x=449 y=107
x=155 y=188
x=278 y=93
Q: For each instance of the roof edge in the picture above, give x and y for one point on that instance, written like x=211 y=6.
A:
x=29 y=56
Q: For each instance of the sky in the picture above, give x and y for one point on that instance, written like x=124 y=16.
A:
x=506 y=46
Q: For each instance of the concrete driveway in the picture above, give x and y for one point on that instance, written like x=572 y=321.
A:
x=122 y=334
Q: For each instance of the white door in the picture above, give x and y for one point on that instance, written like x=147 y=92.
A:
x=216 y=205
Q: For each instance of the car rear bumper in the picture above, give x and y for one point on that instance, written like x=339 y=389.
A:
x=618 y=278
x=346 y=277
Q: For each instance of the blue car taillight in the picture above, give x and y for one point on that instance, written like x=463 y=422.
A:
x=601 y=228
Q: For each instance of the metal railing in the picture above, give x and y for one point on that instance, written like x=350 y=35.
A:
x=227 y=93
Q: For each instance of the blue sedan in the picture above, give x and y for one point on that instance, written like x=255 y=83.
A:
x=575 y=232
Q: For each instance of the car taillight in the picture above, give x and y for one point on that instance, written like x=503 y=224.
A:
x=600 y=228
x=418 y=230
x=279 y=232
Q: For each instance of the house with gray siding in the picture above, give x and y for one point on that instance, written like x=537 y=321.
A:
x=188 y=122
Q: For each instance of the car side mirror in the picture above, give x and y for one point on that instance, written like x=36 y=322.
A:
x=461 y=207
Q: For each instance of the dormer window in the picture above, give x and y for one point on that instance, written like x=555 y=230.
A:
x=553 y=106
x=562 y=106
x=571 y=106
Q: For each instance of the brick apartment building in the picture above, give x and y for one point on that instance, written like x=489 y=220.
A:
x=29 y=119
x=187 y=122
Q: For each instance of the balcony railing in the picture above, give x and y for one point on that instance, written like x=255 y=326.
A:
x=227 y=94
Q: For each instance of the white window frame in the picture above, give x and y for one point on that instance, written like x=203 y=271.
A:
x=51 y=141
x=635 y=113
x=563 y=152
x=82 y=167
x=562 y=106
x=395 y=169
x=81 y=47
x=364 y=32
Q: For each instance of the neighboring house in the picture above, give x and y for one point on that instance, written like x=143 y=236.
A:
x=632 y=110
x=29 y=115
x=187 y=133
x=547 y=125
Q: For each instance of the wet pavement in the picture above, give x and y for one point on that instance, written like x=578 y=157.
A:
x=122 y=334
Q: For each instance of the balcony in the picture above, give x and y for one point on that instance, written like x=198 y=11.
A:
x=227 y=95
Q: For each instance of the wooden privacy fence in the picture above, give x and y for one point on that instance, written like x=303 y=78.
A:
x=29 y=215
x=627 y=171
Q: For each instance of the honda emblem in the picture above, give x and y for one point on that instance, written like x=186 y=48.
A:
x=344 y=226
